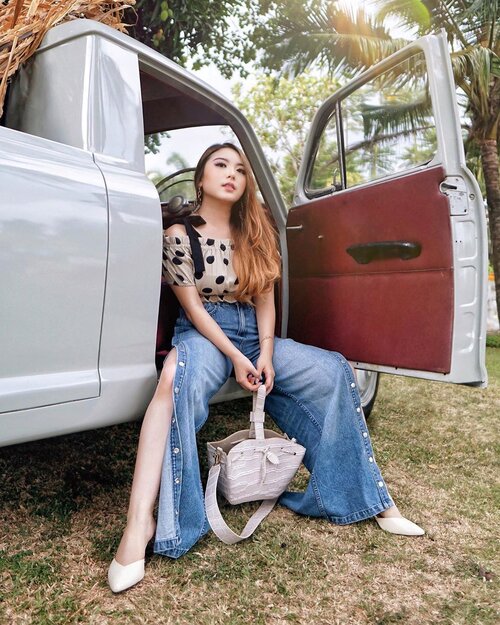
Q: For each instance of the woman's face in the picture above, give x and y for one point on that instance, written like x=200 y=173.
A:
x=224 y=176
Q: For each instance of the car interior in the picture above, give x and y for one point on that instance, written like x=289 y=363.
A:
x=167 y=112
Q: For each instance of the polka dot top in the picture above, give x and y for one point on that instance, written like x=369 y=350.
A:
x=217 y=282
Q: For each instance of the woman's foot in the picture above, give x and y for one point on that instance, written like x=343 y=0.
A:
x=392 y=521
x=122 y=577
x=135 y=538
x=127 y=568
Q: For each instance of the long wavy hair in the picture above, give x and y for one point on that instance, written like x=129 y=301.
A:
x=256 y=259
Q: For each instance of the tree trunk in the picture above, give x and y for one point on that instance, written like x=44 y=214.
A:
x=489 y=158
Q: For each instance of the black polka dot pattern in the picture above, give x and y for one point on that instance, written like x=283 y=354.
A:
x=217 y=283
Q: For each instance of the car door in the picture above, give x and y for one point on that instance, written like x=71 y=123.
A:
x=386 y=241
x=54 y=235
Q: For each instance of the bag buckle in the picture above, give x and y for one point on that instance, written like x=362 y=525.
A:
x=218 y=455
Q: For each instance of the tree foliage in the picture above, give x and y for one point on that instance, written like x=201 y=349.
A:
x=200 y=30
x=295 y=35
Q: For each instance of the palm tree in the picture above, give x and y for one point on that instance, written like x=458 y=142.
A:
x=300 y=34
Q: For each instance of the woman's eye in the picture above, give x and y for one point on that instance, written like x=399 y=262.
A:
x=220 y=164
x=242 y=171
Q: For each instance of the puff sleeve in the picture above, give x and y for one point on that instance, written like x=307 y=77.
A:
x=178 y=266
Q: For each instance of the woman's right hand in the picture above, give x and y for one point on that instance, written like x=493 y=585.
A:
x=245 y=373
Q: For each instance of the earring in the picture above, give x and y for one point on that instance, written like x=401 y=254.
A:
x=199 y=198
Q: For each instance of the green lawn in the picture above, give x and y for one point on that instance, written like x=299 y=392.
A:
x=64 y=503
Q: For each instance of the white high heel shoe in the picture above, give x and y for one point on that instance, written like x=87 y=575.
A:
x=123 y=576
x=399 y=525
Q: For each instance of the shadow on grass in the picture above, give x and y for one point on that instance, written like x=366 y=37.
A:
x=56 y=477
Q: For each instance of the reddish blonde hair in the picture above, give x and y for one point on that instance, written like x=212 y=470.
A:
x=256 y=259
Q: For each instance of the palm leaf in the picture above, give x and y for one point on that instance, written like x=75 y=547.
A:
x=385 y=138
x=396 y=118
x=319 y=34
x=472 y=72
x=409 y=12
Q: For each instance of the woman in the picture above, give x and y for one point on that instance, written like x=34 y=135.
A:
x=223 y=275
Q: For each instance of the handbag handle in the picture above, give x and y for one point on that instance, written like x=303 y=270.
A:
x=257 y=415
x=220 y=528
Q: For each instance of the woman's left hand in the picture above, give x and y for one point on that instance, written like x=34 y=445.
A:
x=264 y=366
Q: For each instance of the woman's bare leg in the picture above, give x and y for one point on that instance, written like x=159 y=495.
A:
x=391 y=512
x=146 y=482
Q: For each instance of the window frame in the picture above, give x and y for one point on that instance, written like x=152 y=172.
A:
x=333 y=107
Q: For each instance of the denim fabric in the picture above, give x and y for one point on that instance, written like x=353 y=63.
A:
x=314 y=400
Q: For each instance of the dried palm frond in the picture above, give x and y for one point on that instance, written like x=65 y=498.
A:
x=23 y=24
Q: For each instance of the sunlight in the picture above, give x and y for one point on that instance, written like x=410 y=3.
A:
x=355 y=5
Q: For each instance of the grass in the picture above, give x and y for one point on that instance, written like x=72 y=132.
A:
x=63 y=504
x=493 y=339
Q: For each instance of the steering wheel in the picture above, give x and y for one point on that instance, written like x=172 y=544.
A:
x=181 y=182
x=177 y=193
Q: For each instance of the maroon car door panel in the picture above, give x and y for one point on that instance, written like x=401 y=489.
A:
x=383 y=308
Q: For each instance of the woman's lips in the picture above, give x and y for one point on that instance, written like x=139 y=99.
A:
x=229 y=186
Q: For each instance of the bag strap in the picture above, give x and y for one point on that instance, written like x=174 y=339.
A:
x=220 y=528
x=257 y=415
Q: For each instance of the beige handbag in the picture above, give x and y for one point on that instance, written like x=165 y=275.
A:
x=249 y=465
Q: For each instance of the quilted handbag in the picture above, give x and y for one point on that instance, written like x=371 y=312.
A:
x=249 y=465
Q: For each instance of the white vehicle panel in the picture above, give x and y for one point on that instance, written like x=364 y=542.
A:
x=53 y=252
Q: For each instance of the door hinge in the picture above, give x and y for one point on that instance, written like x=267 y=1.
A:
x=455 y=189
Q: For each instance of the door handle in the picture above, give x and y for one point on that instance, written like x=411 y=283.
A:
x=300 y=227
x=365 y=253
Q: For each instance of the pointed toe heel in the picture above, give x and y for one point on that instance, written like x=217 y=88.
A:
x=121 y=577
x=399 y=525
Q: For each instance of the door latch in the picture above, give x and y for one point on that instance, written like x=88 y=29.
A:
x=455 y=190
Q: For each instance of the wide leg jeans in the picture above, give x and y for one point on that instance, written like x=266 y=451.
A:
x=314 y=400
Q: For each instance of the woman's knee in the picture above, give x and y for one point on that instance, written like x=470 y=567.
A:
x=167 y=374
x=299 y=364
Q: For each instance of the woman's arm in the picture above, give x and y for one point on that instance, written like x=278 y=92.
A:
x=266 y=320
x=191 y=303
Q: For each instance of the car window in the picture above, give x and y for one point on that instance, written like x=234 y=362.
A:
x=325 y=173
x=387 y=127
